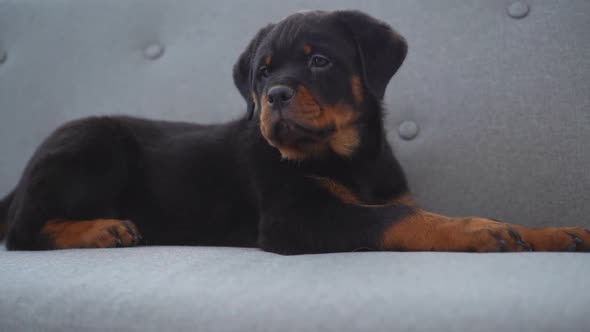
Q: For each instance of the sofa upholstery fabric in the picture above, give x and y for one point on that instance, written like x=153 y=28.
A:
x=489 y=115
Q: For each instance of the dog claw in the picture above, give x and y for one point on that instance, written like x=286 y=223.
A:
x=514 y=234
x=501 y=245
x=574 y=246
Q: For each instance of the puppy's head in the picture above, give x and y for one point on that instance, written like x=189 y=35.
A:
x=314 y=78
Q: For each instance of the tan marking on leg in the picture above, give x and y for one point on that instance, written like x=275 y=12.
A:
x=99 y=233
x=425 y=231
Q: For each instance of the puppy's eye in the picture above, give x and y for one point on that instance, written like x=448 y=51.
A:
x=264 y=71
x=319 y=61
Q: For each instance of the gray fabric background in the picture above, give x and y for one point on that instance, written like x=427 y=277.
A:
x=503 y=108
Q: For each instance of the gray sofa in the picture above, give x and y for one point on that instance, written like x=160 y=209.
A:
x=490 y=115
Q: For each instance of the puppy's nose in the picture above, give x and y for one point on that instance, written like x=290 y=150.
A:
x=280 y=95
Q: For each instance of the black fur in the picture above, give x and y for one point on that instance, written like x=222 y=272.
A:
x=189 y=184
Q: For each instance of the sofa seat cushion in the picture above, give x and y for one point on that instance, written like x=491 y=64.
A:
x=235 y=289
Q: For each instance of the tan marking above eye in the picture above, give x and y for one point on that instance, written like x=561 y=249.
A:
x=267 y=59
x=307 y=49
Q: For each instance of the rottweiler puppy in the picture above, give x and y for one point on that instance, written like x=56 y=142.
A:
x=307 y=169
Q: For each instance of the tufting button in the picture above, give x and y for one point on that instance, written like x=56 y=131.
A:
x=153 y=51
x=518 y=9
x=408 y=130
x=3 y=56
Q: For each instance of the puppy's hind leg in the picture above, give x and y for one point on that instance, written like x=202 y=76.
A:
x=73 y=191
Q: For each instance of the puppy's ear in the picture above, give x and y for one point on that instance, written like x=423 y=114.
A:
x=243 y=71
x=381 y=49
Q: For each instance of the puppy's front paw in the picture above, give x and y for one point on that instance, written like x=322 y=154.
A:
x=557 y=238
x=487 y=235
x=99 y=233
